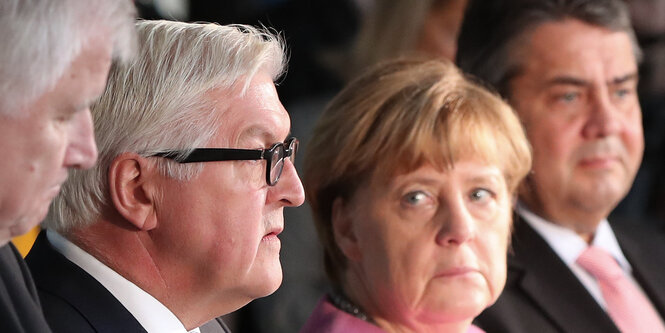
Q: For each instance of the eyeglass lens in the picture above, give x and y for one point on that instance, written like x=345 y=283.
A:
x=276 y=164
x=277 y=160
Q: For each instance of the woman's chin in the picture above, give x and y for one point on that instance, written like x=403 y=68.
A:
x=457 y=309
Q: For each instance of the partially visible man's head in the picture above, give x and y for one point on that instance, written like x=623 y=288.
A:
x=54 y=62
x=570 y=70
x=209 y=228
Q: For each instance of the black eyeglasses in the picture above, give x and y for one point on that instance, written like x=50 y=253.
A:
x=274 y=156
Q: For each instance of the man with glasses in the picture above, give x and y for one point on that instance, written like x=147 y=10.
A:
x=178 y=223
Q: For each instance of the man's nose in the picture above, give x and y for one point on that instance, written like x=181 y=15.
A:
x=604 y=116
x=81 y=151
x=289 y=189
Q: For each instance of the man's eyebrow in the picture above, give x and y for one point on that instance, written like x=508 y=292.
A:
x=256 y=131
x=263 y=133
x=567 y=80
x=623 y=79
x=86 y=104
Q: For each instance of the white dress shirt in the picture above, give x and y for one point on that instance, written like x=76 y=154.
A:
x=148 y=311
x=568 y=245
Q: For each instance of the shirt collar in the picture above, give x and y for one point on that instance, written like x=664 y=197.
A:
x=568 y=244
x=148 y=311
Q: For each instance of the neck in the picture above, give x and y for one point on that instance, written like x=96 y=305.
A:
x=11 y=230
x=133 y=254
x=4 y=237
x=583 y=223
x=342 y=302
x=121 y=248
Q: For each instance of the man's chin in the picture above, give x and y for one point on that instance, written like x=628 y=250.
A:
x=20 y=229
x=600 y=195
x=269 y=285
x=27 y=222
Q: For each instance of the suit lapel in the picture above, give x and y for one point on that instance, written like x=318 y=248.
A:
x=55 y=274
x=550 y=284
x=214 y=326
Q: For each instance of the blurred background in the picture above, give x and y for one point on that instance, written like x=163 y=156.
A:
x=331 y=40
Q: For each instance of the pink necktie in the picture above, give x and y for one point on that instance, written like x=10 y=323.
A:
x=627 y=306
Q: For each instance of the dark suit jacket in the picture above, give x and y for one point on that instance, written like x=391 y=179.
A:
x=73 y=301
x=20 y=310
x=543 y=295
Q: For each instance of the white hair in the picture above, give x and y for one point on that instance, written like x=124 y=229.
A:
x=158 y=103
x=41 y=38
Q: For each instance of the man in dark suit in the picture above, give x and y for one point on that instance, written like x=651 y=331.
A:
x=569 y=68
x=54 y=60
x=178 y=222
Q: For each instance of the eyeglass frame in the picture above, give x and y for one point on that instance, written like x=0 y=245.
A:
x=199 y=155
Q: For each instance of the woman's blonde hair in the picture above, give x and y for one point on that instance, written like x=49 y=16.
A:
x=396 y=117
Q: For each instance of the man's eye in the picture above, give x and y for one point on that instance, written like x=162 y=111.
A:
x=569 y=97
x=621 y=93
x=67 y=114
x=65 y=117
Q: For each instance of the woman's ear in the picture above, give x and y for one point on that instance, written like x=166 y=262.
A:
x=344 y=231
x=132 y=190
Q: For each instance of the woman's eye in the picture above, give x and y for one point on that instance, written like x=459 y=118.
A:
x=415 y=198
x=480 y=194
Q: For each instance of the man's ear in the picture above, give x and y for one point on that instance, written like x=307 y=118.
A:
x=132 y=189
x=344 y=231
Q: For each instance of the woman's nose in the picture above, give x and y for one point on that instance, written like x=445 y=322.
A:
x=457 y=224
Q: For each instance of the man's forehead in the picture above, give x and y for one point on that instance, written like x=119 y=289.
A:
x=258 y=125
x=573 y=50
x=255 y=114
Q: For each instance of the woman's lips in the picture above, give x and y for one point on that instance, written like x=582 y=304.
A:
x=457 y=271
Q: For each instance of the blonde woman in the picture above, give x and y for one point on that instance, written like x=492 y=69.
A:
x=411 y=177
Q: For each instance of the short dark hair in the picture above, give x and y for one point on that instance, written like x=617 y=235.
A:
x=492 y=28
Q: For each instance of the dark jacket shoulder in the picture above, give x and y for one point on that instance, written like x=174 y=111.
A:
x=73 y=301
x=20 y=309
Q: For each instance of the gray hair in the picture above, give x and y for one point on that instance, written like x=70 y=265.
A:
x=40 y=39
x=492 y=30
x=157 y=103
